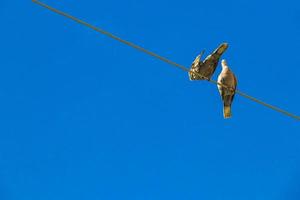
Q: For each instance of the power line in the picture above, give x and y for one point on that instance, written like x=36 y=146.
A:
x=159 y=57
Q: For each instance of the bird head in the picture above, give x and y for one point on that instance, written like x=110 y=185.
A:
x=224 y=63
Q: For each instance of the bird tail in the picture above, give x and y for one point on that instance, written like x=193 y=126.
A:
x=221 y=49
x=227 y=111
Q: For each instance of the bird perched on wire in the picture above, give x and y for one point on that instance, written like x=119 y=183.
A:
x=203 y=70
x=227 y=83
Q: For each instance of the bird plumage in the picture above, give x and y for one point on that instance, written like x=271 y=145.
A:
x=203 y=70
x=227 y=83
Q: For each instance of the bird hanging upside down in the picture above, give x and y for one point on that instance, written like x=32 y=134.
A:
x=203 y=70
x=227 y=88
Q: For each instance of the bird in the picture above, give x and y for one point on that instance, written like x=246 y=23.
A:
x=203 y=70
x=227 y=83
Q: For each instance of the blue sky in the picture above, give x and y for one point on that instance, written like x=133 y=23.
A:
x=85 y=117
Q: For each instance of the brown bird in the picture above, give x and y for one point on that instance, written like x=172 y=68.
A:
x=203 y=70
x=227 y=88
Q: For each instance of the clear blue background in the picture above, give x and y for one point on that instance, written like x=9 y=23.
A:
x=85 y=117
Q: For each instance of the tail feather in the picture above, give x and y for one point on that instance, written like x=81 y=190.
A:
x=221 y=49
x=227 y=111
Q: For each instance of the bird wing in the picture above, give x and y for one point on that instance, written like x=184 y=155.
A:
x=235 y=85
x=220 y=87
x=228 y=79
